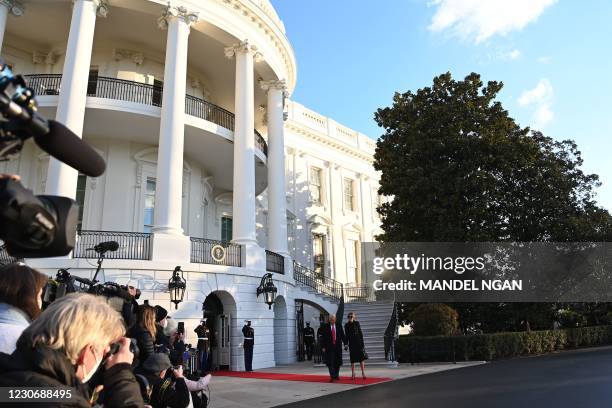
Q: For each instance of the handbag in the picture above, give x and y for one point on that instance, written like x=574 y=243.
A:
x=364 y=354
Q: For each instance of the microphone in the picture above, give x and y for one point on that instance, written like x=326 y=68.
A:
x=105 y=247
x=61 y=143
x=18 y=107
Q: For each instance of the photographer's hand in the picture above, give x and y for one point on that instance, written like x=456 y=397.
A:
x=178 y=372
x=124 y=355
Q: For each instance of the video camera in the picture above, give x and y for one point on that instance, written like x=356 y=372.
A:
x=65 y=283
x=37 y=226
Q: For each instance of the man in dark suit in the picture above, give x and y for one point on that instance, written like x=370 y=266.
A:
x=333 y=338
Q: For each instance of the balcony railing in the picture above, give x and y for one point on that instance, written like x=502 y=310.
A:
x=132 y=91
x=132 y=245
x=320 y=283
x=275 y=262
x=212 y=252
x=358 y=293
x=260 y=143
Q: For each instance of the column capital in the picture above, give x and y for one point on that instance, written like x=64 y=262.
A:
x=15 y=7
x=180 y=12
x=121 y=53
x=274 y=84
x=243 y=47
x=49 y=58
x=102 y=7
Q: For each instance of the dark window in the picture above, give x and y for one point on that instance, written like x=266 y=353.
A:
x=158 y=91
x=80 y=197
x=226 y=229
x=92 y=84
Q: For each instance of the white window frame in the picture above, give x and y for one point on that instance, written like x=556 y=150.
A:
x=351 y=182
x=144 y=202
x=352 y=261
x=320 y=186
x=323 y=239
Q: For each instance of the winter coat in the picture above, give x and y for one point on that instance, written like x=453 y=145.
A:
x=354 y=337
x=13 y=322
x=144 y=340
x=42 y=366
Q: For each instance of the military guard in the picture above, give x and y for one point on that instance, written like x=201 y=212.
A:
x=249 y=342
x=309 y=338
x=203 y=346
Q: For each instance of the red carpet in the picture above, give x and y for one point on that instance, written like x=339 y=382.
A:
x=299 y=377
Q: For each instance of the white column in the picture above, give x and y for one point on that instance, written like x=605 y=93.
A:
x=244 y=229
x=62 y=179
x=169 y=188
x=277 y=201
x=169 y=243
x=6 y=7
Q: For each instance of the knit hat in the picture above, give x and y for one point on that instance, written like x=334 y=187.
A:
x=160 y=313
x=156 y=363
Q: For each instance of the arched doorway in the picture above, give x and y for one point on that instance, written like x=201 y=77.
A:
x=219 y=309
x=281 y=332
x=307 y=311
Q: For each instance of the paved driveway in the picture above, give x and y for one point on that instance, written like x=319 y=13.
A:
x=574 y=379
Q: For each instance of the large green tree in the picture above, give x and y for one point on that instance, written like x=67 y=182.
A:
x=458 y=168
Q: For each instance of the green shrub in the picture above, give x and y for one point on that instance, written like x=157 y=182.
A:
x=434 y=319
x=412 y=348
x=570 y=319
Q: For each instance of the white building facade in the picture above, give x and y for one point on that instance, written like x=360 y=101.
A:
x=188 y=104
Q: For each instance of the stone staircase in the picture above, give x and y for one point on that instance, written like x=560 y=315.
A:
x=374 y=318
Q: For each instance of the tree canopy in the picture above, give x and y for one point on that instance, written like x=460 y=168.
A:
x=459 y=168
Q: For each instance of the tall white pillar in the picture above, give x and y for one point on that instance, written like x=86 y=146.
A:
x=169 y=188
x=6 y=7
x=62 y=179
x=244 y=227
x=169 y=243
x=277 y=202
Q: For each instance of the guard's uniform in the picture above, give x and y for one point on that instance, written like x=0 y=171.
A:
x=249 y=342
x=309 y=338
x=203 y=346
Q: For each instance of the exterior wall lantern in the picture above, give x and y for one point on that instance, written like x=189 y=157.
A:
x=177 y=285
x=267 y=288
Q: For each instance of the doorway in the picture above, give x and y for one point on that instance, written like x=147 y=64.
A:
x=219 y=322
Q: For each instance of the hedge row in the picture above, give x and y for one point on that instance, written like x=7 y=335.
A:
x=494 y=346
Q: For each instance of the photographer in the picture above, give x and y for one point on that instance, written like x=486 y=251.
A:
x=167 y=384
x=144 y=332
x=162 y=342
x=20 y=301
x=129 y=311
x=66 y=345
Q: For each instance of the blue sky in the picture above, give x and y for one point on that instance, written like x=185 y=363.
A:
x=553 y=56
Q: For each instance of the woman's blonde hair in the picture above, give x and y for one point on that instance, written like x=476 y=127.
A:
x=75 y=321
x=146 y=318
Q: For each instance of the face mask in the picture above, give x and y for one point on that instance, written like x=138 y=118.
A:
x=88 y=376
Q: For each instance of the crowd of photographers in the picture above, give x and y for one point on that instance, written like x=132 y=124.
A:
x=128 y=358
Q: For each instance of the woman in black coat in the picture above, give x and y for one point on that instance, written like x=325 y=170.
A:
x=354 y=336
x=144 y=332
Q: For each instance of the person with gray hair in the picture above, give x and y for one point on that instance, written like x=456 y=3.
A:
x=65 y=346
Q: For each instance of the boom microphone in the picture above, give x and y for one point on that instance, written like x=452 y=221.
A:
x=105 y=247
x=61 y=143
